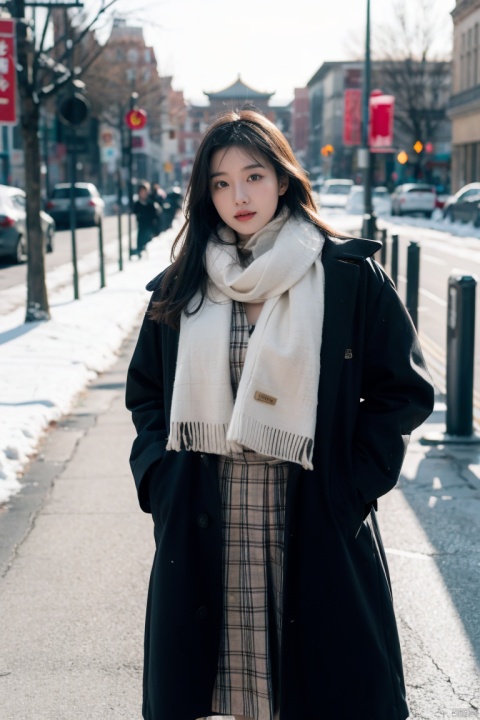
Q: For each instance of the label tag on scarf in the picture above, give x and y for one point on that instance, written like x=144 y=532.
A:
x=263 y=397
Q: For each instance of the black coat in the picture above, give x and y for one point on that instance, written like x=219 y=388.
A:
x=340 y=655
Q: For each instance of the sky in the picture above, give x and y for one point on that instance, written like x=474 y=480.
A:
x=275 y=45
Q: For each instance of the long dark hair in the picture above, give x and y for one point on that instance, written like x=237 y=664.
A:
x=259 y=137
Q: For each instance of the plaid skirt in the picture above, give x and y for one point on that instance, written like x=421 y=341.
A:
x=253 y=489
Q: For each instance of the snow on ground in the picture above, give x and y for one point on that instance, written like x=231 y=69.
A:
x=353 y=223
x=44 y=366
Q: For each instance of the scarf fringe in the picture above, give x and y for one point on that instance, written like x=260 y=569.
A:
x=198 y=436
x=271 y=441
x=252 y=434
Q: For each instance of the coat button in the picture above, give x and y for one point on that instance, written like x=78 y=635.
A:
x=203 y=520
x=202 y=612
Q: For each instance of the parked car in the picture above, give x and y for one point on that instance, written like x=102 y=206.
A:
x=334 y=193
x=89 y=204
x=442 y=196
x=414 y=198
x=382 y=204
x=464 y=206
x=13 y=224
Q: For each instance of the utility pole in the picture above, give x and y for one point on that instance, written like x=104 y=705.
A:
x=369 y=219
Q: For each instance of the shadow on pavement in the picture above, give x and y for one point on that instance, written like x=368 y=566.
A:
x=442 y=488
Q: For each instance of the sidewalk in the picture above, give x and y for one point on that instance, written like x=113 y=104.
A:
x=73 y=591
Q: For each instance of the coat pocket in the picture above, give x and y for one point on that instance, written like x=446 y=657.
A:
x=351 y=506
x=157 y=480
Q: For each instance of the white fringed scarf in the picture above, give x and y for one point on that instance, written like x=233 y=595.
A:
x=275 y=409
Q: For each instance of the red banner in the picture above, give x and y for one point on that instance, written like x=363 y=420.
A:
x=8 y=103
x=382 y=109
x=352 y=117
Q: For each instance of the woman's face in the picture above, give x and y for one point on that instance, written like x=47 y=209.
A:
x=244 y=190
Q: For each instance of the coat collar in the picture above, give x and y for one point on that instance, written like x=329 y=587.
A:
x=350 y=248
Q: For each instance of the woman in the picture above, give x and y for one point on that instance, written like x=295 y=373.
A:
x=275 y=382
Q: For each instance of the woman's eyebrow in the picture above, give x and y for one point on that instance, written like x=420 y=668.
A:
x=247 y=167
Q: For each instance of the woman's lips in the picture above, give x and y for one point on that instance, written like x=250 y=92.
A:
x=246 y=216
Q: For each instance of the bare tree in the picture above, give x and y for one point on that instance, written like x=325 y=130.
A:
x=42 y=71
x=411 y=60
x=414 y=66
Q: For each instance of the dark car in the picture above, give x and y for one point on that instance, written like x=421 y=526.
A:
x=13 y=224
x=464 y=206
x=89 y=204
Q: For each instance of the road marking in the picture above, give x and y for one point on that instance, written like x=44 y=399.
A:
x=433 y=297
x=408 y=554
x=427 y=293
x=433 y=259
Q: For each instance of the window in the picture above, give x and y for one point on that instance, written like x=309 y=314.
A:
x=19 y=201
x=475 y=55
x=469 y=59
x=132 y=55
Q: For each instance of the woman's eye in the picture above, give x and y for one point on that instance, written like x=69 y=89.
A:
x=255 y=177
x=220 y=184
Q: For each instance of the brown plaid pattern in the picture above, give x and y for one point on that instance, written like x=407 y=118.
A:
x=253 y=491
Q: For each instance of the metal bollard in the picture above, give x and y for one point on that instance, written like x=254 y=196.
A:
x=383 y=251
x=413 y=278
x=460 y=354
x=119 y=233
x=394 y=260
x=369 y=226
x=101 y=255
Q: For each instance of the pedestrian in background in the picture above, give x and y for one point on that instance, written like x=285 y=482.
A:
x=147 y=213
x=159 y=196
x=274 y=385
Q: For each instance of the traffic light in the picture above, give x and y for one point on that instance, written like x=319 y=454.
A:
x=327 y=150
x=73 y=110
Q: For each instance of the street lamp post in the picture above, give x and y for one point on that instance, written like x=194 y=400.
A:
x=133 y=103
x=369 y=219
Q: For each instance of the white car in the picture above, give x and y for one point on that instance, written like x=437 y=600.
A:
x=334 y=193
x=89 y=204
x=13 y=224
x=382 y=205
x=414 y=198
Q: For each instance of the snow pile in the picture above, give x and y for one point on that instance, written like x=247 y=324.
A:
x=44 y=366
x=353 y=223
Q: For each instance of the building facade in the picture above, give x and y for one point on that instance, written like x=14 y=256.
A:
x=234 y=97
x=421 y=93
x=300 y=124
x=464 y=110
